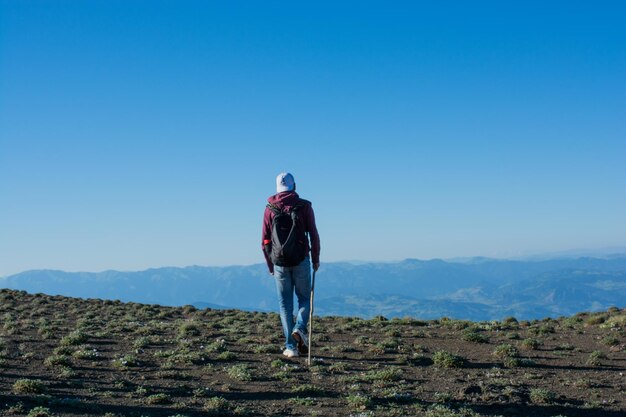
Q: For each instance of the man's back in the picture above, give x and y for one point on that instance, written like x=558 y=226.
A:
x=286 y=201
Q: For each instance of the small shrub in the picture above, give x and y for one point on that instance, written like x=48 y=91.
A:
x=361 y=340
x=510 y=321
x=443 y=359
x=265 y=349
x=572 y=322
x=126 y=361
x=531 y=344
x=158 y=399
x=386 y=374
x=63 y=350
x=359 y=401
x=66 y=372
x=215 y=406
x=615 y=322
x=39 y=412
x=475 y=337
x=141 y=391
x=141 y=342
x=57 y=360
x=595 y=320
x=595 y=358
x=610 y=341
x=307 y=389
x=303 y=402
x=512 y=362
x=541 y=396
x=337 y=367
x=28 y=386
x=565 y=346
x=87 y=354
x=505 y=350
x=442 y=410
x=277 y=363
x=188 y=309
x=282 y=375
x=443 y=397
x=226 y=356
x=240 y=372
x=188 y=329
x=77 y=337
x=172 y=374
x=217 y=346
x=542 y=330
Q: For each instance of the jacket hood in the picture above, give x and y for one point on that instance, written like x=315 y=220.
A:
x=285 y=199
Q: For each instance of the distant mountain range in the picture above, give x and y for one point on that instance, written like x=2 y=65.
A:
x=473 y=289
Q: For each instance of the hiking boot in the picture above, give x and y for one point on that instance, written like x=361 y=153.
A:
x=290 y=353
x=302 y=340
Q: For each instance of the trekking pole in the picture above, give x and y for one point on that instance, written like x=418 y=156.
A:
x=311 y=318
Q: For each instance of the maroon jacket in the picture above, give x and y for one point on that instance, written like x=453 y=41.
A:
x=287 y=200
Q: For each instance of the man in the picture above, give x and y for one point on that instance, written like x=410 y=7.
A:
x=287 y=221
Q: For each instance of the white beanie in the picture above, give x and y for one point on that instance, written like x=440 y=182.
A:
x=284 y=182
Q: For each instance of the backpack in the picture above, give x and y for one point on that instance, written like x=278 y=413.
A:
x=288 y=247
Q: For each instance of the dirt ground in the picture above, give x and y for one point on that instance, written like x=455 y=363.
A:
x=64 y=356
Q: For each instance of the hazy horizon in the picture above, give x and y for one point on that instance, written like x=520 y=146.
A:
x=571 y=253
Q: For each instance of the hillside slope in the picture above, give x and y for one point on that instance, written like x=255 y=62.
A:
x=66 y=357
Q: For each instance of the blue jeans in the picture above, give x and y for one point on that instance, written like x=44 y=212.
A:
x=288 y=279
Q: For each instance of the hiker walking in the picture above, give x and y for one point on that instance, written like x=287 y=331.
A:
x=287 y=221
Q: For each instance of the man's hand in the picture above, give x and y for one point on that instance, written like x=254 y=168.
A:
x=316 y=266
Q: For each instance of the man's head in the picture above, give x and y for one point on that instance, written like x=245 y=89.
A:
x=285 y=182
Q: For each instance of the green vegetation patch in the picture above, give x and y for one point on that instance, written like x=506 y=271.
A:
x=474 y=337
x=308 y=389
x=443 y=359
x=358 y=401
x=615 y=321
x=531 y=344
x=160 y=398
x=240 y=372
x=440 y=410
x=188 y=329
x=87 y=354
x=596 y=357
x=216 y=406
x=610 y=341
x=126 y=361
x=596 y=319
x=75 y=338
x=269 y=348
x=57 y=360
x=39 y=412
x=505 y=350
x=386 y=374
x=541 y=396
x=28 y=386
x=544 y=329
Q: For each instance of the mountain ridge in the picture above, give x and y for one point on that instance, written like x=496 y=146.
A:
x=483 y=289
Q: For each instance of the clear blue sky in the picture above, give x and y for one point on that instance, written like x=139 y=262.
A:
x=140 y=134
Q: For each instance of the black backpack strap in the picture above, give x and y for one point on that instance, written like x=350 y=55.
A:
x=273 y=208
